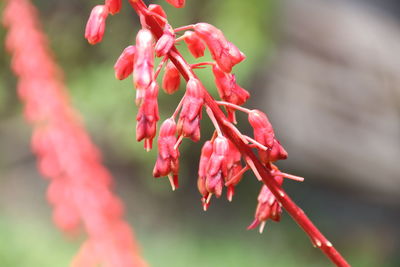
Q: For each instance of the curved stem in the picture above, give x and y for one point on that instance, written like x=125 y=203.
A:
x=317 y=238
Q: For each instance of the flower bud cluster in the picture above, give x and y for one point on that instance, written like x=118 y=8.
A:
x=167 y=163
x=268 y=207
x=220 y=161
x=190 y=116
x=219 y=166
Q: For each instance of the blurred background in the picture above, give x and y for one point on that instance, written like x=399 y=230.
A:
x=327 y=73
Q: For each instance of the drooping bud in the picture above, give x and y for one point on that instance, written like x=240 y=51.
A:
x=217 y=169
x=157 y=9
x=166 y=41
x=263 y=131
x=114 y=6
x=277 y=152
x=206 y=152
x=167 y=163
x=264 y=134
x=267 y=208
x=194 y=44
x=222 y=51
x=96 y=24
x=190 y=116
x=144 y=62
x=234 y=170
x=147 y=117
x=124 y=65
x=177 y=3
x=229 y=90
x=171 y=79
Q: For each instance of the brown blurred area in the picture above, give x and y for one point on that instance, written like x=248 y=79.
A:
x=333 y=89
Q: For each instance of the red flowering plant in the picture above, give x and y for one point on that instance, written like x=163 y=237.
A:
x=229 y=153
x=80 y=188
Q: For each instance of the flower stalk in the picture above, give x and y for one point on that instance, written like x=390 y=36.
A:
x=220 y=161
x=317 y=238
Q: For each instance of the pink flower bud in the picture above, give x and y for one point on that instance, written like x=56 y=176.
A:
x=177 y=3
x=147 y=117
x=223 y=52
x=277 y=152
x=234 y=167
x=66 y=217
x=167 y=160
x=217 y=169
x=195 y=44
x=124 y=65
x=206 y=152
x=144 y=60
x=268 y=207
x=263 y=131
x=96 y=24
x=171 y=79
x=159 y=11
x=229 y=90
x=114 y=6
x=190 y=116
x=166 y=41
x=264 y=134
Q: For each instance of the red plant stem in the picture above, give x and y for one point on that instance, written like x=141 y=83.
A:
x=317 y=238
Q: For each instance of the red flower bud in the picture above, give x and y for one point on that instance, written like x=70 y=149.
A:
x=166 y=41
x=96 y=24
x=159 y=11
x=277 y=152
x=206 y=152
x=177 y=3
x=234 y=167
x=217 y=169
x=144 y=60
x=195 y=44
x=147 y=117
x=167 y=160
x=223 y=52
x=229 y=90
x=263 y=131
x=114 y=6
x=66 y=217
x=190 y=116
x=124 y=65
x=268 y=207
x=171 y=79
x=264 y=134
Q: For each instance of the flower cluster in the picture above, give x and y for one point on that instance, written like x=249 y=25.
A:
x=80 y=187
x=221 y=162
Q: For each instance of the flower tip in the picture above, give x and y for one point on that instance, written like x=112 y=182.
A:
x=230 y=193
x=253 y=225
x=262 y=226
x=148 y=144
x=173 y=180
